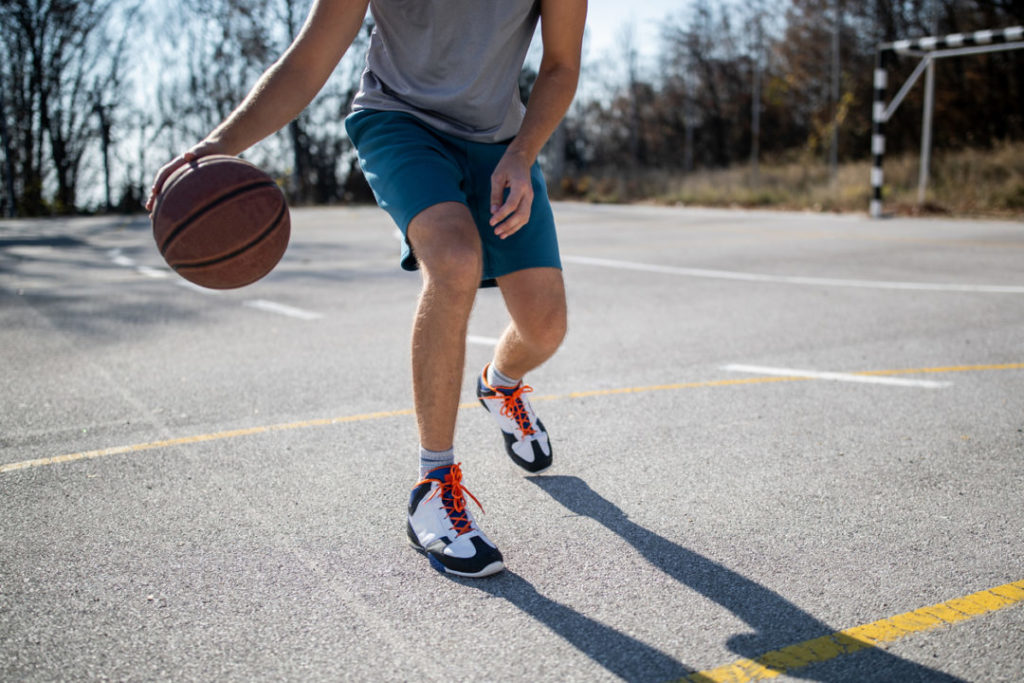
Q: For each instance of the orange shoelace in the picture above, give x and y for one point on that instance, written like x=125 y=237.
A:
x=451 y=490
x=512 y=407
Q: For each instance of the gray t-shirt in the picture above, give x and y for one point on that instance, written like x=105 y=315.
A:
x=453 y=63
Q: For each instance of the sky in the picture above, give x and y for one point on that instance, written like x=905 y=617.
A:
x=605 y=19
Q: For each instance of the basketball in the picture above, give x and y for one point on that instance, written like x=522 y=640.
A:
x=221 y=222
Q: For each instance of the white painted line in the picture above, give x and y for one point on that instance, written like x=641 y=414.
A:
x=836 y=376
x=118 y=257
x=795 y=280
x=483 y=341
x=181 y=282
x=155 y=273
x=282 y=309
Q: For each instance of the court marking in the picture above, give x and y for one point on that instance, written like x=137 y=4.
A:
x=182 y=282
x=482 y=341
x=282 y=309
x=303 y=424
x=794 y=280
x=836 y=376
x=777 y=662
x=118 y=258
x=155 y=273
x=199 y=438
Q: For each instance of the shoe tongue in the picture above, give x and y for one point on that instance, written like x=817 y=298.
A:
x=508 y=391
x=439 y=472
x=441 y=475
x=459 y=518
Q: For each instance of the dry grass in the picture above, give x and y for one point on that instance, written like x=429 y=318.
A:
x=962 y=183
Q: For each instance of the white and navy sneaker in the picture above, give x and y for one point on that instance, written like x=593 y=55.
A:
x=526 y=440
x=442 y=528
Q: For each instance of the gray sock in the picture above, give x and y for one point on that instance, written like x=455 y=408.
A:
x=433 y=459
x=496 y=378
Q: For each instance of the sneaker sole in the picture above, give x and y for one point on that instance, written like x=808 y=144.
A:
x=489 y=570
x=542 y=470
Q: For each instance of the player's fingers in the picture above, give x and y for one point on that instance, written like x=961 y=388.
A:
x=200 y=150
x=518 y=188
x=501 y=212
x=515 y=213
x=161 y=178
x=498 y=184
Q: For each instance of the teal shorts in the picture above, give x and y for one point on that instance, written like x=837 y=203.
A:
x=411 y=166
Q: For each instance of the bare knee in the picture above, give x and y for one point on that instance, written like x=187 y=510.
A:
x=545 y=330
x=453 y=268
x=447 y=247
x=536 y=302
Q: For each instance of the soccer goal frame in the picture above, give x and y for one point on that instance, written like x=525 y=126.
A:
x=929 y=50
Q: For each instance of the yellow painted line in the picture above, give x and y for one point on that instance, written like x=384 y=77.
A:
x=825 y=648
x=665 y=387
x=365 y=417
x=949 y=368
x=216 y=436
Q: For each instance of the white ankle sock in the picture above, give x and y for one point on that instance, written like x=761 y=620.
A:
x=496 y=378
x=433 y=459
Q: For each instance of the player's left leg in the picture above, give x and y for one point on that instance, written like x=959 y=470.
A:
x=535 y=299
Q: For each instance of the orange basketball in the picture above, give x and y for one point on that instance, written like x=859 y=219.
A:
x=221 y=222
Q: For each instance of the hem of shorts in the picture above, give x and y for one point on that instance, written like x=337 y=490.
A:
x=409 y=263
x=491 y=280
x=403 y=225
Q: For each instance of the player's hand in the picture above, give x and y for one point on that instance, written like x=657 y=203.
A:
x=511 y=194
x=203 y=149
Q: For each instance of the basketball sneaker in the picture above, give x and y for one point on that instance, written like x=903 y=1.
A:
x=526 y=440
x=442 y=527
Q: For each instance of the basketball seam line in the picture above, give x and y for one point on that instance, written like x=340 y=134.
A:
x=198 y=212
x=259 y=238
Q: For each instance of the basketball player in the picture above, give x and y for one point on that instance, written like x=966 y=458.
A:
x=450 y=153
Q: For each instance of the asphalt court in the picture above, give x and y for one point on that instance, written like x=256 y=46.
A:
x=787 y=446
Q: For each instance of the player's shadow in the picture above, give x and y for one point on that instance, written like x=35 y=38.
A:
x=619 y=653
x=776 y=622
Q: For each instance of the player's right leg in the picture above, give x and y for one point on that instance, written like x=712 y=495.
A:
x=417 y=176
x=447 y=247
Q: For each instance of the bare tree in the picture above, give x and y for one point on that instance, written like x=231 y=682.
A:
x=59 y=63
x=231 y=42
x=702 y=55
x=635 y=124
x=756 y=31
x=9 y=204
